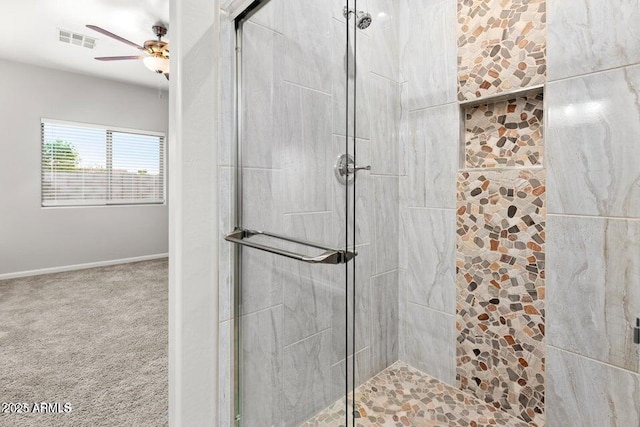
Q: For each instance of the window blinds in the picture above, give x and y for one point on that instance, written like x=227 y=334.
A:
x=85 y=165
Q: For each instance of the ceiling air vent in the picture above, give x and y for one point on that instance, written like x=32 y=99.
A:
x=70 y=37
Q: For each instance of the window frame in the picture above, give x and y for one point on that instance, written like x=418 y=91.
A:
x=109 y=130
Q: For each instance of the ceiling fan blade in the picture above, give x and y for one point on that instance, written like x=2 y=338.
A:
x=117 y=58
x=114 y=36
x=166 y=75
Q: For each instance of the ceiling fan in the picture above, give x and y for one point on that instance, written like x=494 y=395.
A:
x=157 y=59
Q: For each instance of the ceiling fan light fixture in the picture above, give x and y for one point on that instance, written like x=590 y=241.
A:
x=157 y=50
x=157 y=63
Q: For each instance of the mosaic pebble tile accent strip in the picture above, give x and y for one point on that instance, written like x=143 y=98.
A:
x=402 y=396
x=501 y=46
x=501 y=288
x=505 y=134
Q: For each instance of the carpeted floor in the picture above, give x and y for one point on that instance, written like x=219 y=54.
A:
x=95 y=338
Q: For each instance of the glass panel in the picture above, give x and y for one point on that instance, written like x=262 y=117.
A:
x=292 y=118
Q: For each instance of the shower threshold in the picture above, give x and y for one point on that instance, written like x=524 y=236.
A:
x=401 y=396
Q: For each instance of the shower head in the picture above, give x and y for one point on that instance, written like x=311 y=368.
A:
x=363 y=20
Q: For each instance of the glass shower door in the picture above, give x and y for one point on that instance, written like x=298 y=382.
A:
x=293 y=238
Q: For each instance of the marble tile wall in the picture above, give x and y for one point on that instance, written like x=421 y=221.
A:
x=378 y=59
x=385 y=94
x=385 y=205
x=262 y=358
x=261 y=89
x=384 y=320
x=594 y=287
x=428 y=52
x=593 y=279
x=427 y=258
x=429 y=153
x=583 y=393
x=592 y=160
x=294 y=347
x=343 y=303
x=306 y=371
x=591 y=35
x=435 y=354
x=308 y=34
x=430 y=158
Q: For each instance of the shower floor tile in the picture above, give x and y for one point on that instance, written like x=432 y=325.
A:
x=404 y=396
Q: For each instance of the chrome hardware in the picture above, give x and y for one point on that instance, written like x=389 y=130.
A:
x=363 y=19
x=329 y=256
x=345 y=169
x=353 y=169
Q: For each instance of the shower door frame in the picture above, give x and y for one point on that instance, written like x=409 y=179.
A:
x=248 y=8
x=238 y=18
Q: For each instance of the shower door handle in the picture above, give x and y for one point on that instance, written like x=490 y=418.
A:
x=329 y=256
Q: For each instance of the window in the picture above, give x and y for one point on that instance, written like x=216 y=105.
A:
x=84 y=165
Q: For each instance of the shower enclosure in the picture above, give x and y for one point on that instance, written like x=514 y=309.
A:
x=410 y=181
x=303 y=237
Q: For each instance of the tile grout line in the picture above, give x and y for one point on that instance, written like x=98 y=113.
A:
x=615 y=218
x=264 y=27
x=431 y=107
x=315 y=334
x=593 y=73
x=589 y=359
x=431 y=308
x=298 y=85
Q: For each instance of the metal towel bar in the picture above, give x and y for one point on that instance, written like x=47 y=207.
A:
x=330 y=256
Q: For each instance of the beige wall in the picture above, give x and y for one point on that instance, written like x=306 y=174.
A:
x=35 y=238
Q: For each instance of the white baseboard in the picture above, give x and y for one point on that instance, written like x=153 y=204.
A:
x=80 y=266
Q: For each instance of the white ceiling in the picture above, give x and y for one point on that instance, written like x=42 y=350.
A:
x=29 y=33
